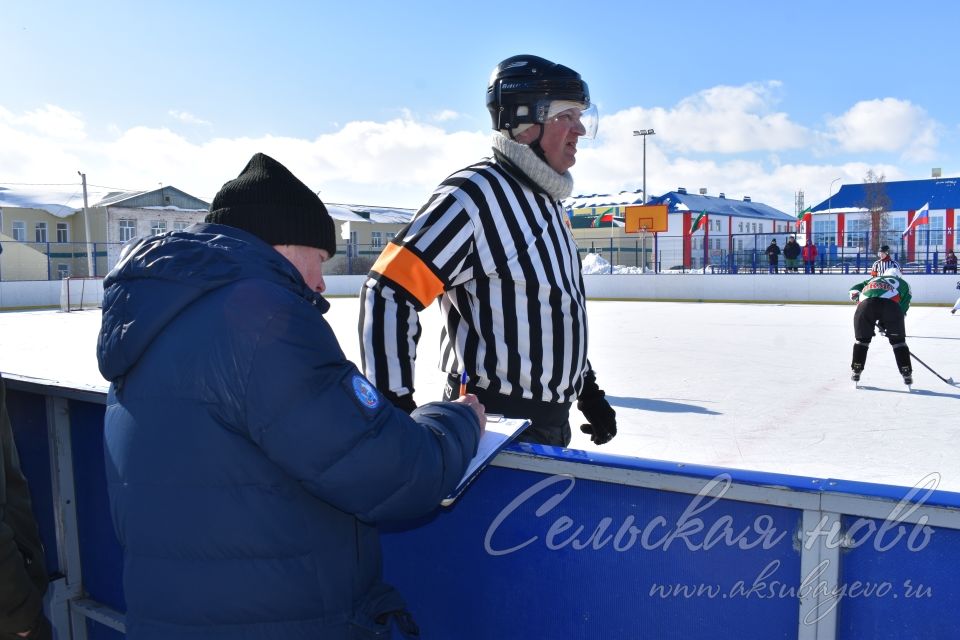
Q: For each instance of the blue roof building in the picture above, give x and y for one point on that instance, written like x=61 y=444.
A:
x=844 y=219
x=905 y=195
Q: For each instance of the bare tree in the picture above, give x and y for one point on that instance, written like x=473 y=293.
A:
x=877 y=204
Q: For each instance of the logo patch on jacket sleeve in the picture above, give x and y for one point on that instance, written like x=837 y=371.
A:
x=365 y=392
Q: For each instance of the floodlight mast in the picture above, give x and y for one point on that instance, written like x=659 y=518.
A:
x=644 y=133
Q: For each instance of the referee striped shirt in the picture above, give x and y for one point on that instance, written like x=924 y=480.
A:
x=497 y=252
x=882 y=265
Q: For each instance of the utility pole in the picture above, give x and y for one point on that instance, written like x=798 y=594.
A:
x=86 y=226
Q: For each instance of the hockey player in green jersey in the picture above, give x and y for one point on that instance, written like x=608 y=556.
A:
x=883 y=299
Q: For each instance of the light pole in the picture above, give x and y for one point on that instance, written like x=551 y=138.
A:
x=643 y=233
x=644 y=133
x=830 y=194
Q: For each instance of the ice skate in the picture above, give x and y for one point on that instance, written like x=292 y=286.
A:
x=856 y=370
x=907 y=374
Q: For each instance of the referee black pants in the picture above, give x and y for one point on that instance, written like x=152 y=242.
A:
x=549 y=421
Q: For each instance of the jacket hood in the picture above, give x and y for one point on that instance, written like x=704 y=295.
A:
x=157 y=277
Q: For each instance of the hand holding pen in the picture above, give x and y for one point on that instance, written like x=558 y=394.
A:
x=472 y=401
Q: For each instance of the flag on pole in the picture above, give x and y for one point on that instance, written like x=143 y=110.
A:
x=602 y=219
x=922 y=217
x=804 y=216
x=700 y=222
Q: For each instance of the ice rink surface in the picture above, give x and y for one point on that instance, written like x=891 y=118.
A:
x=760 y=387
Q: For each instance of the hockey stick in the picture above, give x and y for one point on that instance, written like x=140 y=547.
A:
x=947 y=380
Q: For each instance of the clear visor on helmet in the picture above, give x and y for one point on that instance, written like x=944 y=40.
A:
x=587 y=119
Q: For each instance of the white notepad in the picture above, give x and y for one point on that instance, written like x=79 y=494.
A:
x=498 y=434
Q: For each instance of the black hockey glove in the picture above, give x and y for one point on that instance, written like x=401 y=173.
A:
x=404 y=403
x=595 y=408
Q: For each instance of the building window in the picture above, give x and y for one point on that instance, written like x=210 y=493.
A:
x=892 y=236
x=180 y=225
x=63 y=271
x=390 y=236
x=933 y=234
x=352 y=245
x=157 y=227
x=40 y=232
x=62 y=233
x=825 y=231
x=857 y=234
x=376 y=239
x=19 y=231
x=128 y=230
x=740 y=227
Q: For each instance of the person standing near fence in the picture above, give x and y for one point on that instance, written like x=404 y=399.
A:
x=492 y=243
x=773 y=255
x=809 y=253
x=23 y=573
x=791 y=254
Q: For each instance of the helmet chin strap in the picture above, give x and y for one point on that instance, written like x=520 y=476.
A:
x=535 y=145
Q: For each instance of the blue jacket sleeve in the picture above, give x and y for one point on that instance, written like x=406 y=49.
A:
x=315 y=415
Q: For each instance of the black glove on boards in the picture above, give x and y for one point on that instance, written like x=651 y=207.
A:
x=595 y=408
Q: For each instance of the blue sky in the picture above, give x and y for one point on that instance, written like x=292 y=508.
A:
x=376 y=102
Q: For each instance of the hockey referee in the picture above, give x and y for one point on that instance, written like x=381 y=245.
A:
x=493 y=244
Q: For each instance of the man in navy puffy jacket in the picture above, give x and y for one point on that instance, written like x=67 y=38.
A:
x=248 y=461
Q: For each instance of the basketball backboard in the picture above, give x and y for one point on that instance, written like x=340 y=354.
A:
x=650 y=218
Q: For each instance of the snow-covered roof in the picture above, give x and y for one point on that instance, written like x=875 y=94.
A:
x=680 y=201
x=364 y=213
x=604 y=200
x=59 y=204
x=903 y=195
x=153 y=198
x=342 y=213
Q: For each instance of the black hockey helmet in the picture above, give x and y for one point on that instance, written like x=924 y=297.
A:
x=522 y=87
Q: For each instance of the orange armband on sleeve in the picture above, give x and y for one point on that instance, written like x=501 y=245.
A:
x=403 y=267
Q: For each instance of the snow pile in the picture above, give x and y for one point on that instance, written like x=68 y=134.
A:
x=594 y=263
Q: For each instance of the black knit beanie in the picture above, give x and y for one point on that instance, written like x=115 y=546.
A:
x=274 y=205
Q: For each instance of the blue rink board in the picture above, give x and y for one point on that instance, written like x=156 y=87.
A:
x=901 y=584
x=458 y=587
x=497 y=566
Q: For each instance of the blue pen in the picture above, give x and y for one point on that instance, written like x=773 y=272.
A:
x=463 y=384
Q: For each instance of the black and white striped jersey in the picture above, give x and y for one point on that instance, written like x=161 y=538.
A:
x=500 y=256
x=882 y=265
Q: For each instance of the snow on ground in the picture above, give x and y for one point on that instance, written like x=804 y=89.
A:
x=759 y=387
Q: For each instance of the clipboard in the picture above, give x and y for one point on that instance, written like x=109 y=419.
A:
x=498 y=433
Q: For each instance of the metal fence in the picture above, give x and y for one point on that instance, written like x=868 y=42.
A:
x=739 y=253
x=746 y=253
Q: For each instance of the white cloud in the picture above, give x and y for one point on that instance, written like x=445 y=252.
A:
x=446 y=115
x=721 y=119
x=49 y=122
x=186 y=117
x=886 y=125
x=393 y=163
